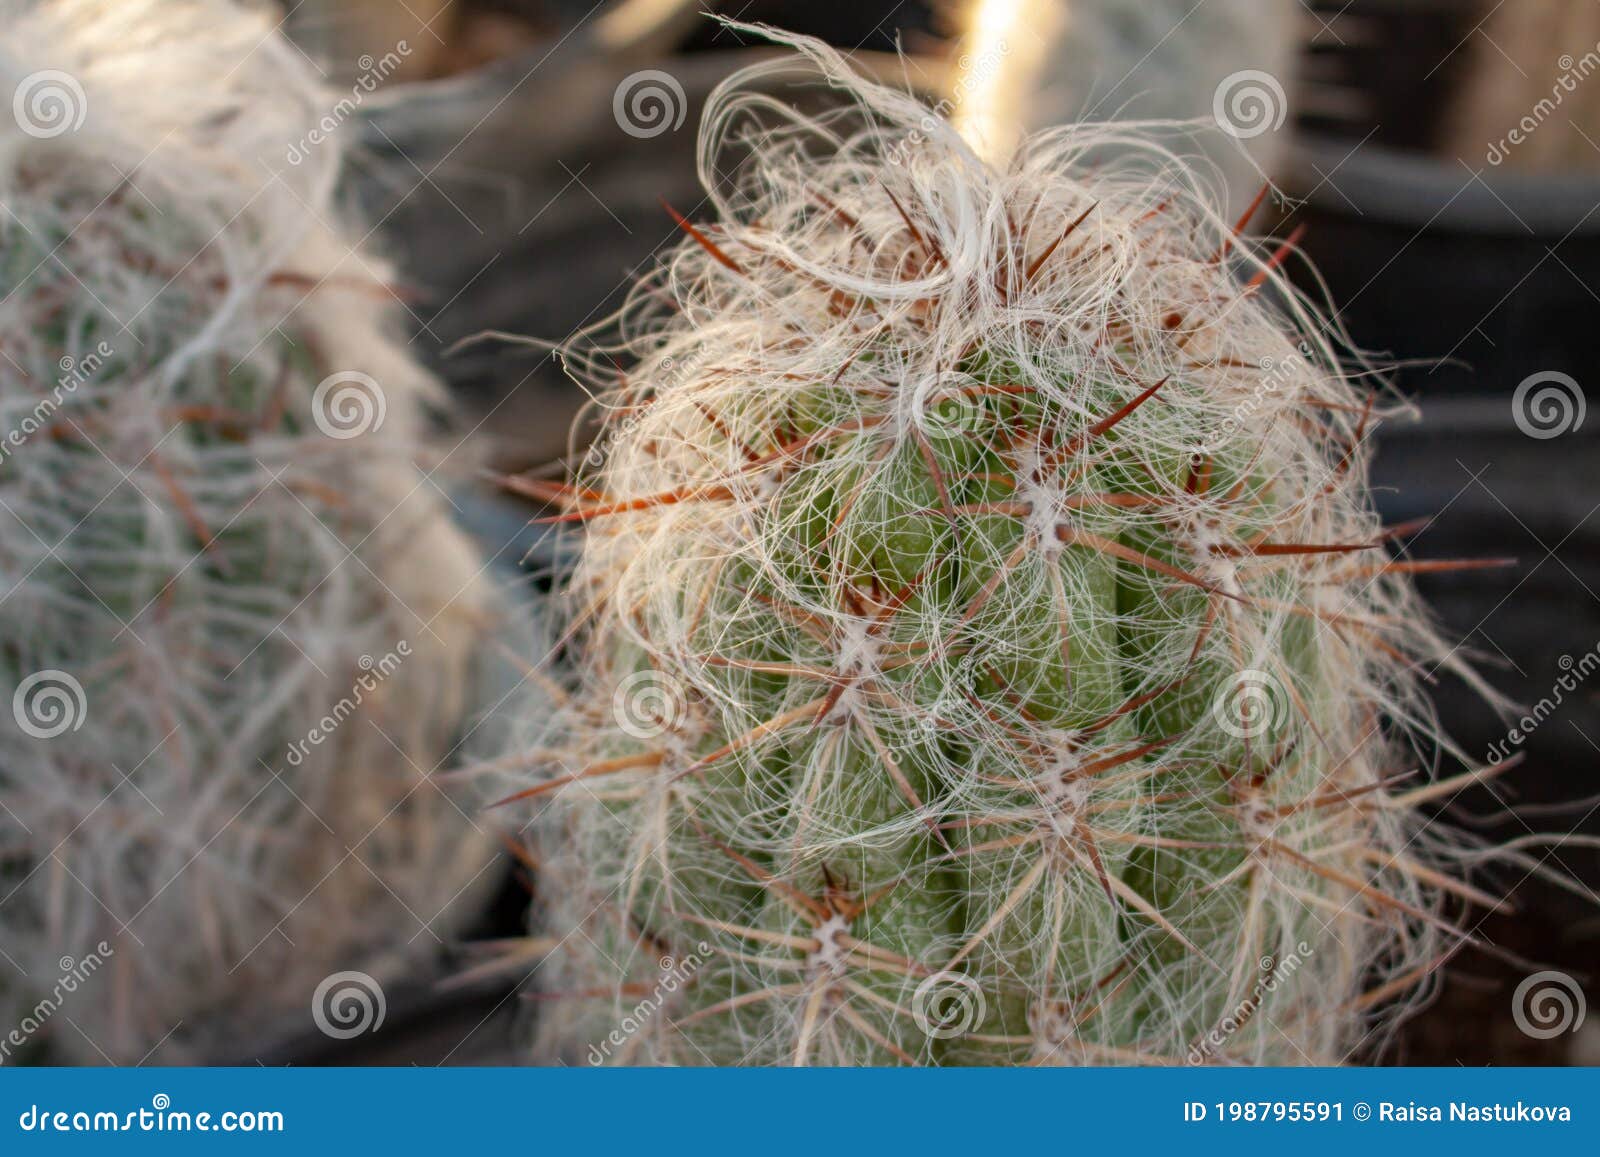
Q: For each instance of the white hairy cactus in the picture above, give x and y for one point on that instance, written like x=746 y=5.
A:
x=238 y=632
x=988 y=651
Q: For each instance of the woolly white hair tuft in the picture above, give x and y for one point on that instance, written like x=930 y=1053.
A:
x=988 y=648
x=240 y=631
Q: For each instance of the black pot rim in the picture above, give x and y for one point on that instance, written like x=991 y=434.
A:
x=1421 y=191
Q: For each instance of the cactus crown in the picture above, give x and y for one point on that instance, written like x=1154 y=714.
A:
x=990 y=653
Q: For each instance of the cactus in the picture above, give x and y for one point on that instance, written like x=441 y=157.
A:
x=987 y=649
x=239 y=630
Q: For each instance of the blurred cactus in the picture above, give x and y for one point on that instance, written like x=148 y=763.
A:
x=238 y=626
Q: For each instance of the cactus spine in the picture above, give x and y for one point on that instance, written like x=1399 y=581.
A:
x=989 y=653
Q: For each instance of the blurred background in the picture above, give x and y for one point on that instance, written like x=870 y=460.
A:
x=1442 y=157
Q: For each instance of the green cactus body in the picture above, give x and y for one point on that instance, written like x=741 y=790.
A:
x=983 y=706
